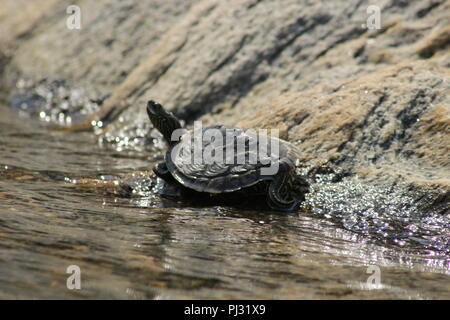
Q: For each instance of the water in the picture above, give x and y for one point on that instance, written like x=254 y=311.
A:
x=55 y=212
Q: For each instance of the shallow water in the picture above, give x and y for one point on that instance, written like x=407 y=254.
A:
x=146 y=247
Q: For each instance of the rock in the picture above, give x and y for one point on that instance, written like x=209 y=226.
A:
x=98 y=56
x=379 y=126
x=373 y=102
x=387 y=115
x=208 y=55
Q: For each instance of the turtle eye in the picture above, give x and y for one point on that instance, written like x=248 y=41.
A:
x=153 y=107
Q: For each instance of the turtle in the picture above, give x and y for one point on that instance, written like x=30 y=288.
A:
x=283 y=188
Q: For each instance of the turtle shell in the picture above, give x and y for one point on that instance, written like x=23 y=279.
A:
x=227 y=159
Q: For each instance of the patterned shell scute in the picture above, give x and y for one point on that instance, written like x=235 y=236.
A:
x=226 y=159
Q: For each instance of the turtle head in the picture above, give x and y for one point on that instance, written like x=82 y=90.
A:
x=163 y=120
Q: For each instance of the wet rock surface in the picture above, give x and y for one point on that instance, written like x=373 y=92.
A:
x=376 y=126
x=369 y=108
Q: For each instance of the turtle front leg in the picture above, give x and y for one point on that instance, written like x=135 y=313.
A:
x=163 y=172
x=170 y=188
x=280 y=190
